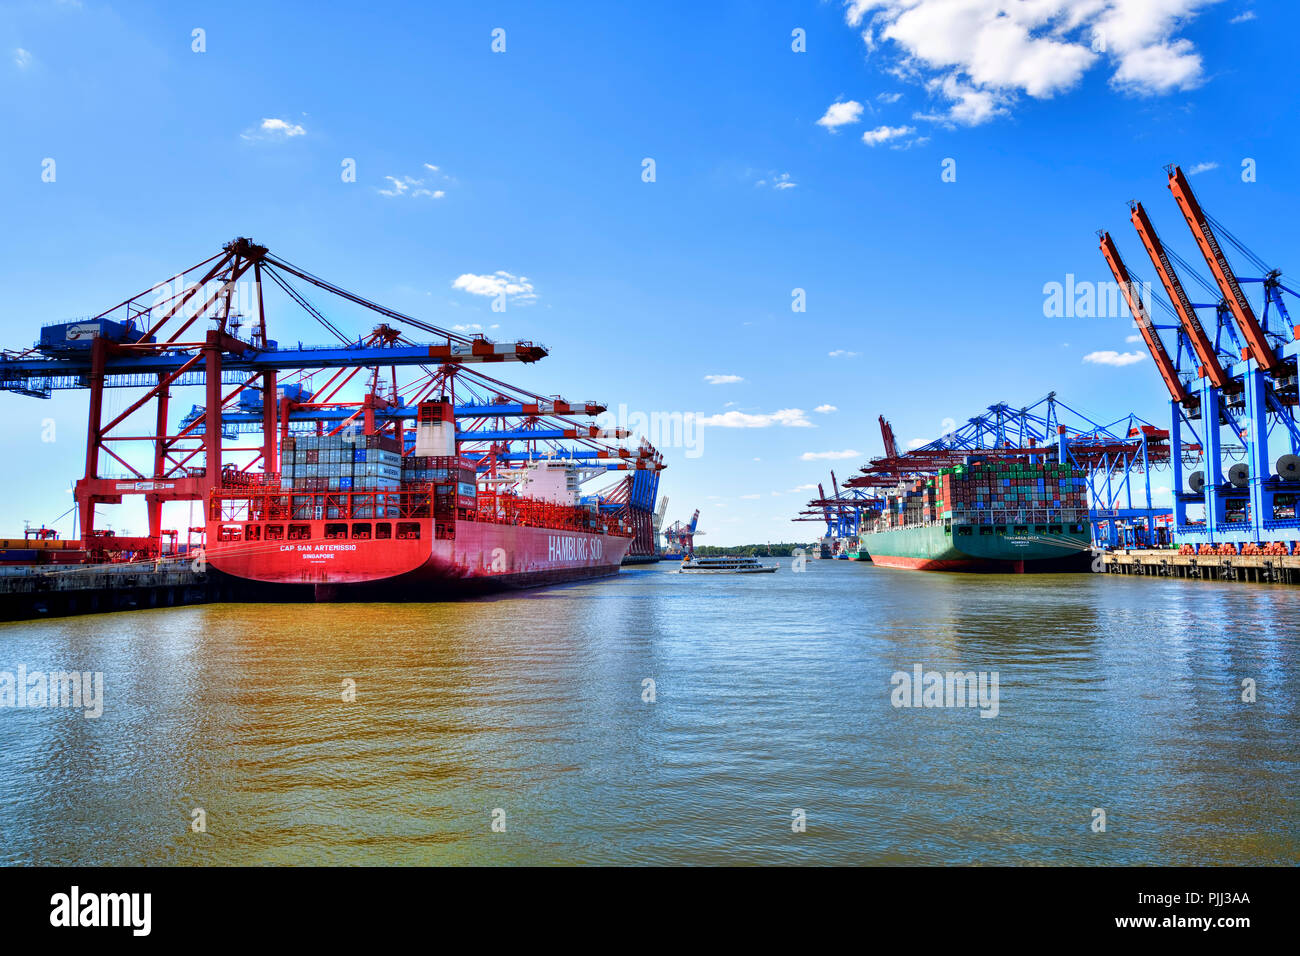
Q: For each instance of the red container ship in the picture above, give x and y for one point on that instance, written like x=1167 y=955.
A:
x=350 y=518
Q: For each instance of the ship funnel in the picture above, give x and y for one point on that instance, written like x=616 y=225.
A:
x=435 y=430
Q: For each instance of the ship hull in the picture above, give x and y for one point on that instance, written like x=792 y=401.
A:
x=932 y=548
x=481 y=557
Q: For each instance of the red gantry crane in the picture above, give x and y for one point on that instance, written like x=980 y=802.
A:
x=1251 y=389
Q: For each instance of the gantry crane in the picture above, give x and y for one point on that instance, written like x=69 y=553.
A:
x=253 y=385
x=657 y=523
x=681 y=537
x=1115 y=455
x=1250 y=390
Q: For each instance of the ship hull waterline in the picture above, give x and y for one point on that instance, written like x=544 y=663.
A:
x=481 y=558
x=934 y=548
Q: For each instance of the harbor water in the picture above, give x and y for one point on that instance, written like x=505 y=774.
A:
x=667 y=718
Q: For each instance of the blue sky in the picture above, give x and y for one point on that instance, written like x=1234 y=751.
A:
x=924 y=297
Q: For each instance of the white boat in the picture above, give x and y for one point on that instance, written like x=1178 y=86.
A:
x=727 y=564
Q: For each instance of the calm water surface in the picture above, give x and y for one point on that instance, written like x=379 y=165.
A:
x=773 y=693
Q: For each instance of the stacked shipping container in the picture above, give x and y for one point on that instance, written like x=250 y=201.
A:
x=342 y=463
x=985 y=491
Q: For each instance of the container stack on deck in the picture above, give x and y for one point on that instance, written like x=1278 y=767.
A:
x=913 y=504
x=341 y=463
x=989 y=492
x=984 y=492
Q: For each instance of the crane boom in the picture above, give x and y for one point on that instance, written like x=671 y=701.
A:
x=1178 y=296
x=887 y=436
x=1168 y=371
x=1208 y=243
x=658 y=520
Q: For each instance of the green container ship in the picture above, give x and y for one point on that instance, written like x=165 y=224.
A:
x=945 y=547
x=992 y=516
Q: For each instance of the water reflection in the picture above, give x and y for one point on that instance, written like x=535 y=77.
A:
x=770 y=695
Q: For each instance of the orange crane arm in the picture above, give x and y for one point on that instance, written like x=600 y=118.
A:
x=1168 y=371
x=1178 y=296
x=1206 y=241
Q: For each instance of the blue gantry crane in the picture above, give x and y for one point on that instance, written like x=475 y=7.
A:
x=1119 y=456
x=1243 y=381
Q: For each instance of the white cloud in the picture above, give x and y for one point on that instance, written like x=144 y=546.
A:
x=1202 y=168
x=794 y=491
x=517 y=288
x=778 y=181
x=889 y=97
x=841 y=114
x=1160 y=68
x=786 y=417
x=842 y=353
x=966 y=105
x=1117 y=359
x=468 y=327
x=883 y=134
x=1243 y=17
x=977 y=57
x=917 y=443
x=273 y=128
x=410 y=186
x=750 y=497
x=1132 y=338
x=829 y=455
x=825 y=409
x=916 y=141
x=722 y=379
x=22 y=59
x=425 y=186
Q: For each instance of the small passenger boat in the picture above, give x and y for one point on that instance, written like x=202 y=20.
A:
x=726 y=564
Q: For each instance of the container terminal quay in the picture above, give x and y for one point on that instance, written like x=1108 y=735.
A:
x=1022 y=488
x=390 y=466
